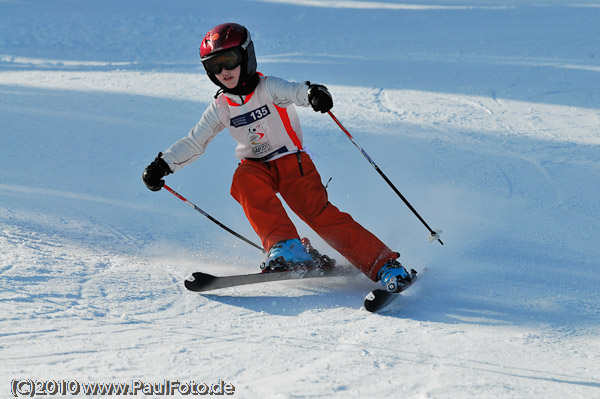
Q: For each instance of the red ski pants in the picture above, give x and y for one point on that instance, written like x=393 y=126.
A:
x=255 y=185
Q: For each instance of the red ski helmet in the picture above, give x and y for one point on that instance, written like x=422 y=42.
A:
x=227 y=46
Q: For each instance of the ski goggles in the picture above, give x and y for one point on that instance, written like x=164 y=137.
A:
x=229 y=60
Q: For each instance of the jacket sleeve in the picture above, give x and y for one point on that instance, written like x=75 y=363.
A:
x=285 y=93
x=189 y=148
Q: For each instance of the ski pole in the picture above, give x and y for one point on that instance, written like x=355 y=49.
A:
x=212 y=219
x=434 y=235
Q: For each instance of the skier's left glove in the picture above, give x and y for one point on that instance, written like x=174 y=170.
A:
x=154 y=173
x=319 y=98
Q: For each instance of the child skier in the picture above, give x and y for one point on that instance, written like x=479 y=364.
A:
x=260 y=115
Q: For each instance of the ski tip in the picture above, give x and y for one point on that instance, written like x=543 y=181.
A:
x=376 y=300
x=198 y=281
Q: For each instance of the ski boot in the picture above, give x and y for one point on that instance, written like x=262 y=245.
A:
x=295 y=255
x=287 y=255
x=393 y=276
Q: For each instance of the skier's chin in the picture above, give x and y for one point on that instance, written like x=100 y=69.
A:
x=230 y=83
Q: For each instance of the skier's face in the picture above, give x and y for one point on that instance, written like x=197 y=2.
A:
x=230 y=78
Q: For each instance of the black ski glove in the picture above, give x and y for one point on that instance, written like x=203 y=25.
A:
x=319 y=98
x=154 y=173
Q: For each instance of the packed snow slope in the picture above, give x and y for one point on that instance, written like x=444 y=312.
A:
x=485 y=114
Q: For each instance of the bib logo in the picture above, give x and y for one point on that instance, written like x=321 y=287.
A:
x=258 y=140
x=255 y=137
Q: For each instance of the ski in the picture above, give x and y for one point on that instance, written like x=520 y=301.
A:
x=201 y=282
x=380 y=298
x=276 y=270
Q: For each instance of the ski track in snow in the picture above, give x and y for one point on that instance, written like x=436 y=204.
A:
x=487 y=124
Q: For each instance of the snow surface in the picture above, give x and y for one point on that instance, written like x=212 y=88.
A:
x=485 y=114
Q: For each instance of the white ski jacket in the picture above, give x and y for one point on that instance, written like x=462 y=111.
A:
x=265 y=126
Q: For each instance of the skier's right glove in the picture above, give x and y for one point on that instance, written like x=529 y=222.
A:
x=319 y=98
x=154 y=173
